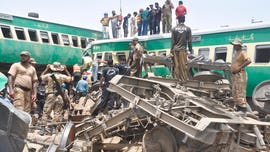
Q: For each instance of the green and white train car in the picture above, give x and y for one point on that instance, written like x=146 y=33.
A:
x=46 y=41
x=213 y=44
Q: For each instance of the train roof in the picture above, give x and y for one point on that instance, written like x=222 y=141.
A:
x=194 y=32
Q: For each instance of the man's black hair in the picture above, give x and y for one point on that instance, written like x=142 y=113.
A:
x=181 y=18
x=180 y=2
x=110 y=62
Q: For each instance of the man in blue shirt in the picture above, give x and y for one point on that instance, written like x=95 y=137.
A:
x=82 y=87
x=81 y=92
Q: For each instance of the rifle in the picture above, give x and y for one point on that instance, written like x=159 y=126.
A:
x=60 y=92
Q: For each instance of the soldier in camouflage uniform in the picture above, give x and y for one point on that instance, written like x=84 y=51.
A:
x=136 y=66
x=239 y=75
x=53 y=101
x=181 y=36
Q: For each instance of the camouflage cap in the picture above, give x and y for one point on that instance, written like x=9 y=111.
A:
x=237 y=42
x=25 y=53
x=32 y=60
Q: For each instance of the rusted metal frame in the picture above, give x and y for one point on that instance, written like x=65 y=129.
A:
x=194 y=84
x=204 y=122
x=157 y=59
x=118 y=146
x=91 y=132
x=201 y=103
x=139 y=82
x=154 y=111
x=209 y=65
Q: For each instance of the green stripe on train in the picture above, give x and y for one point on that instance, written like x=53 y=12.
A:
x=256 y=74
x=41 y=52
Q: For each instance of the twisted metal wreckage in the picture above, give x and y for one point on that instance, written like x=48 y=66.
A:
x=197 y=116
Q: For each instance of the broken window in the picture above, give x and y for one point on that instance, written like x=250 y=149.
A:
x=221 y=53
x=162 y=53
x=83 y=42
x=75 y=41
x=55 y=38
x=204 y=52
x=33 y=35
x=262 y=53
x=121 y=56
x=99 y=56
x=65 y=39
x=6 y=31
x=107 y=56
x=20 y=33
x=44 y=37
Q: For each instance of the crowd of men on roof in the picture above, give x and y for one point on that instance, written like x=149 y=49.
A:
x=146 y=21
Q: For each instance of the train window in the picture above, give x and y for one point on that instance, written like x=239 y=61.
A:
x=20 y=33
x=262 y=54
x=90 y=40
x=152 y=53
x=99 y=56
x=55 y=38
x=44 y=37
x=65 y=39
x=121 y=56
x=221 y=53
x=75 y=41
x=33 y=35
x=204 y=52
x=6 y=31
x=83 y=42
x=162 y=53
x=107 y=56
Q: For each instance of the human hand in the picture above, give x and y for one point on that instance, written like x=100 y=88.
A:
x=11 y=93
x=48 y=66
x=34 y=98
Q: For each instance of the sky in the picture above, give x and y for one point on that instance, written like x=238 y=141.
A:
x=201 y=14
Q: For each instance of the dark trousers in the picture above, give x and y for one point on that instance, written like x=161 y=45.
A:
x=157 y=26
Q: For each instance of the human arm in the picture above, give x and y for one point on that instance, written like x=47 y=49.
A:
x=189 y=39
x=46 y=70
x=242 y=66
x=34 y=93
x=172 y=40
x=67 y=72
x=10 y=86
x=101 y=81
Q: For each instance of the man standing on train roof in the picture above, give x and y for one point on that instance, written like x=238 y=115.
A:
x=239 y=75
x=152 y=20
x=116 y=24
x=181 y=37
x=22 y=83
x=136 y=66
x=105 y=26
x=167 y=16
x=157 y=18
x=180 y=9
x=125 y=25
x=54 y=100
